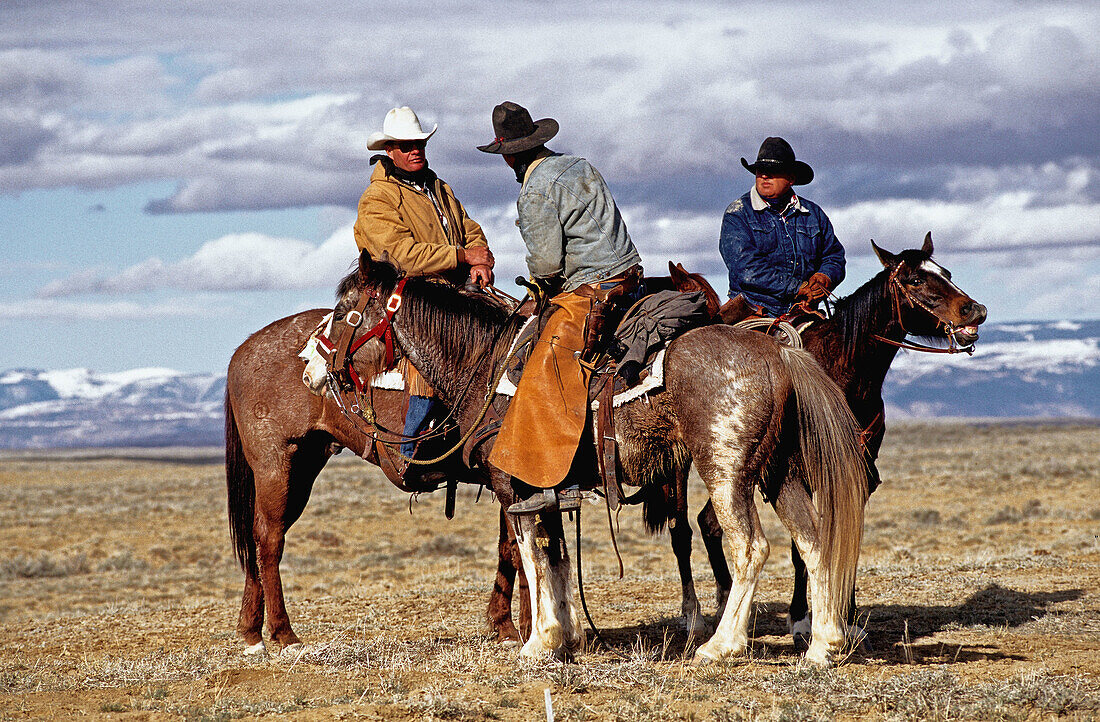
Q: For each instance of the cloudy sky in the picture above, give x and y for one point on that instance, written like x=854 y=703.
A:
x=175 y=175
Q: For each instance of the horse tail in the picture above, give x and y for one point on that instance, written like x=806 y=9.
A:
x=834 y=466
x=240 y=486
x=656 y=507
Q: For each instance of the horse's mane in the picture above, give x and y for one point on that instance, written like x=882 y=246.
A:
x=466 y=323
x=861 y=313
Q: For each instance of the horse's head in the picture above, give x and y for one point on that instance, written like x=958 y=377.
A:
x=362 y=299
x=926 y=301
x=685 y=281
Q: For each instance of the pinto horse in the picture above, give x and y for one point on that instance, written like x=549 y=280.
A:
x=749 y=412
x=912 y=296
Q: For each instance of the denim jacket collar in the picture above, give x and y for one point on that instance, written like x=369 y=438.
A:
x=759 y=204
x=546 y=153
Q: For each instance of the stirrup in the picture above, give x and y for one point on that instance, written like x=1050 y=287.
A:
x=549 y=500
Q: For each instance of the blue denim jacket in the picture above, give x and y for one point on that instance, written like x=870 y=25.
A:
x=769 y=255
x=571 y=225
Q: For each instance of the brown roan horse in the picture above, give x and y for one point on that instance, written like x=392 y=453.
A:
x=911 y=296
x=747 y=411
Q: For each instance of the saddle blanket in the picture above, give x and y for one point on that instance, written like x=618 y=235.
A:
x=393 y=381
x=315 y=374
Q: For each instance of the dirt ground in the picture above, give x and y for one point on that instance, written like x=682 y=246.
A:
x=979 y=586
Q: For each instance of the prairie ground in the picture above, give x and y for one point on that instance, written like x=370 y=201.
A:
x=979 y=586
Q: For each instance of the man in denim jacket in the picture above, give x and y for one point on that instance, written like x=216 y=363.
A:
x=779 y=248
x=577 y=243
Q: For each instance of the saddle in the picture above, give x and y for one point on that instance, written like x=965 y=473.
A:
x=623 y=332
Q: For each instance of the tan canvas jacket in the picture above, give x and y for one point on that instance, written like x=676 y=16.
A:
x=397 y=218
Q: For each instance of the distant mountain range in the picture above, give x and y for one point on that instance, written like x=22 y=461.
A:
x=1023 y=370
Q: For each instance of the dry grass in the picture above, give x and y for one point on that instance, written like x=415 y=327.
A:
x=979 y=585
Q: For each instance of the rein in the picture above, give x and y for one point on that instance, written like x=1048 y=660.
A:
x=348 y=397
x=898 y=291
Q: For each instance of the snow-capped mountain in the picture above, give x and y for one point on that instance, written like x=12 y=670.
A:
x=1039 y=370
x=82 y=408
x=1035 y=370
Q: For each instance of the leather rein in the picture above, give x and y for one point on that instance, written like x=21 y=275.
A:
x=349 y=397
x=898 y=293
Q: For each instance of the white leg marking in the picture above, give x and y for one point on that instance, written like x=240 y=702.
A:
x=749 y=547
x=258 y=649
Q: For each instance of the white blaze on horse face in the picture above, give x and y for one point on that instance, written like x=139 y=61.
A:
x=937 y=270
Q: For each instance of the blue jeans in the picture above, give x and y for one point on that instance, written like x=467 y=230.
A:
x=419 y=408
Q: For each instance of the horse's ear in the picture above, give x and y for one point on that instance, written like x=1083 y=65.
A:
x=884 y=256
x=677 y=273
x=364 y=263
x=927 y=246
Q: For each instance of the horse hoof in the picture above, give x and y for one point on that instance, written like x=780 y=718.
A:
x=256 y=650
x=701 y=660
x=509 y=643
x=801 y=633
x=819 y=657
x=293 y=651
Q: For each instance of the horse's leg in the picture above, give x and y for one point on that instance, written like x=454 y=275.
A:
x=711 y=531
x=736 y=512
x=679 y=532
x=500 y=600
x=795 y=508
x=281 y=496
x=555 y=625
x=524 y=591
x=798 y=616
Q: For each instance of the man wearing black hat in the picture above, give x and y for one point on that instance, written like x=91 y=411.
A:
x=576 y=243
x=779 y=248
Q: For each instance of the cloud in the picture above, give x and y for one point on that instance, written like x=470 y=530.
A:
x=244 y=119
x=236 y=262
x=39 y=309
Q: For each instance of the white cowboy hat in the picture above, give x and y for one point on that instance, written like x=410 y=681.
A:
x=400 y=124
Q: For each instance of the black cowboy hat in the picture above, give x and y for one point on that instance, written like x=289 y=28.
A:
x=777 y=156
x=515 y=130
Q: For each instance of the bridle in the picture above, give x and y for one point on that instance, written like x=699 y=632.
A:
x=344 y=382
x=898 y=294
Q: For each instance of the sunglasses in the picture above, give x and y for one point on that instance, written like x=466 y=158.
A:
x=407 y=146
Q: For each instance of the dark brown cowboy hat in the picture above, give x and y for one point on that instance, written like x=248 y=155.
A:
x=777 y=156
x=515 y=130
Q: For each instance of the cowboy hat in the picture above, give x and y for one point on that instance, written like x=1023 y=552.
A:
x=516 y=132
x=400 y=124
x=777 y=156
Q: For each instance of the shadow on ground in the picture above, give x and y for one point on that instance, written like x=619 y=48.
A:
x=894 y=631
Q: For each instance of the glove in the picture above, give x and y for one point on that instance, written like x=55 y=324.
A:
x=816 y=288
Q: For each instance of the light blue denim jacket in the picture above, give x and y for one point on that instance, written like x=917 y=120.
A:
x=571 y=225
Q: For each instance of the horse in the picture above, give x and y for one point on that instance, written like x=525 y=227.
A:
x=749 y=412
x=278 y=437
x=912 y=295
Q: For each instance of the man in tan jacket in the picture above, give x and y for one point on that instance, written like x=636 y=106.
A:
x=411 y=214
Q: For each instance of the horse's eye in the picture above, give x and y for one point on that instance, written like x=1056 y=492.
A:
x=916 y=281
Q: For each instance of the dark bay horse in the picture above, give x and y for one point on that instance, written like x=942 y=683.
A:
x=912 y=296
x=749 y=412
